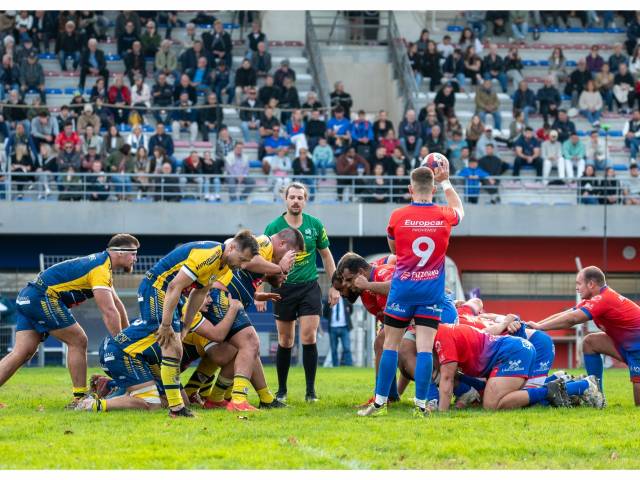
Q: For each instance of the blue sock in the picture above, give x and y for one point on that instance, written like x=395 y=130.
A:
x=594 y=366
x=393 y=393
x=386 y=373
x=461 y=389
x=424 y=367
x=577 y=387
x=434 y=393
x=537 y=395
x=473 y=382
x=550 y=378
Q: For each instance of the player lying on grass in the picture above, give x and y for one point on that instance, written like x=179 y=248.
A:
x=617 y=317
x=44 y=308
x=275 y=257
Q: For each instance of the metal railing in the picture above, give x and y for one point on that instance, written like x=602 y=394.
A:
x=401 y=65
x=316 y=64
x=265 y=189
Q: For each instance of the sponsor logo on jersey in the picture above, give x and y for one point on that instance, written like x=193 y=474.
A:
x=109 y=357
x=543 y=366
x=423 y=223
x=514 y=366
x=394 y=307
x=425 y=275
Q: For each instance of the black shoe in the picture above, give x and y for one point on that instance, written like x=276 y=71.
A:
x=311 y=398
x=281 y=396
x=275 y=404
x=557 y=394
x=183 y=412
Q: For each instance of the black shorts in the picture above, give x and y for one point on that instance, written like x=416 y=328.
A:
x=298 y=300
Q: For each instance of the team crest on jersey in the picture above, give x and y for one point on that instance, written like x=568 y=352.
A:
x=514 y=366
x=405 y=276
x=394 y=307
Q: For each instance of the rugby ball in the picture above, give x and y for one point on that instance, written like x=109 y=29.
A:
x=433 y=160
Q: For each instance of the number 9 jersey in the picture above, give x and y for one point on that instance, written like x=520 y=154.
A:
x=421 y=233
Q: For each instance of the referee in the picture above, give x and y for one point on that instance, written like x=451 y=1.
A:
x=301 y=294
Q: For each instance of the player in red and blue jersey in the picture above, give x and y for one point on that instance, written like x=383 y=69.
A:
x=419 y=236
x=617 y=317
x=505 y=361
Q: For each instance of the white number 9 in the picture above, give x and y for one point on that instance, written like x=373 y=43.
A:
x=424 y=255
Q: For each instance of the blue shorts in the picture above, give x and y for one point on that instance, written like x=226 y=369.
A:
x=449 y=311
x=632 y=359
x=126 y=370
x=151 y=301
x=514 y=358
x=399 y=315
x=545 y=354
x=218 y=309
x=38 y=311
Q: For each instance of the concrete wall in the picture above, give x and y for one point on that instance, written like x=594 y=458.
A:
x=341 y=220
x=284 y=25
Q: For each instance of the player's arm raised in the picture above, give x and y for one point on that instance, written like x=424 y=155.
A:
x=107 y=306
x=441 y=176
x=329 y=268
x=447 y=375
x=566 y=319
x=174 y=290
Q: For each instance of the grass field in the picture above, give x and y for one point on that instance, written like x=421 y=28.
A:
x=37 y=433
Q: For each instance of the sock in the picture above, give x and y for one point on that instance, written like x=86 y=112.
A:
x=79 y=392
x=228 y=392
x=473 y=382
x=265 y=395
x=310 y=364
x=393 y=393
x=283 y=362
x=240 y=390
x=170 y=373
x=204 y=374
x=461 y=389
x=594 y=366
x=386 y=372
x=218 y=390
x=100 y=405
x=537 y=395
x=434 y=393
x=207 y=386
x=422 y=376
x=550 y=378
x=577 y=387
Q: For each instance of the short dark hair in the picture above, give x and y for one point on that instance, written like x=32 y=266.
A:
x=422 y=180
x=351 y=261
x=244 y=240
x=338 y=109
x=293 y=237
x=297 y=185
x=123 y=240
x=594 y=274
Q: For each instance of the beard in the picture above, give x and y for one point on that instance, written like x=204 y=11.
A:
x=296 y=213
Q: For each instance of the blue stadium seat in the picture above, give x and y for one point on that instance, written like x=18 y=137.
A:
x=113 y=58
x=595 y=30
x=455 y=28
x=255 y=164
x=571 y=63
x=53 y=91
x=543 y=63
x=530 y=63
x=576 y=30
x=620 y=168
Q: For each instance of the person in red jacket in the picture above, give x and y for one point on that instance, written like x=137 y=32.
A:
x=119 y=96
x=68 y=135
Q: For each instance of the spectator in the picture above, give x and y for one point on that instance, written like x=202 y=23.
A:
x=588 y=187
x=574 y=154
x=378 y=186
x=22 y=162
x=200 y=75
x=91 y=140
x=279 y=167
x=97 y=186
x=398 y=158
x=137 y=140
x=303 y=166
x=295 y=131
x=430 y=65
x=168 y=185
x=485 y=139
x=267 y=122
x=631 y=134
x=122 y=21
x=524 y=100
x=166 y=61
x=220 y=81
x=577 y=81
x=362 y=134
x=9 y=76
x=519 y=25
x=121 y=164
x=476 y=20
x=44 y=129
x=549 y=99
x=68 y=135
x=190 y=36
x=14 y=111
x=594 y=60
x=274 y=142
x=597 y=151
x=218 y=43
x=468 y=39
x=25 y=48
x=634 y=63
x=381 y=157
x=422 y=42
x=184 y=117
x=111 y=141
x=323 y=157
x=609 y=188
x=289 y=100
x=340 y=98
x=127 y=38
x=224 y=143
x=381 y=126
x=558 y=66
x=445 y=101
x=261 y=60
x=89 y=156
x=617 y=58
x=120 y=97
x=475 y=129
x=350 y=164
x=604 y=84
x=493 y=67
x=192 y=166
x=162 y=96
x=390 y=142
x=42 y=30
x=623 y=89
x=445 y=47
x=410 y=133
x=269 y=91
x=473 y=176
x=250 y=114
x=134 y=62
x=150 y=40
x=255 y=38
x=283 y=72
x=99 y=90
x=453 y=69
x=68 y=158
x=400 y=186
x=552 y=156
x=633 y=34
x=68 y=45
x=237 y=172
x=472 y=66
x=339 y=130
x=591 y=104
x=210 y=167
x=161 y=139
x=563 y=126
x=513 y=66
x=141 y=98
x=315 y=128
x=487 y=103
x=454 y=151
x=415 y=61
x=245 y=80
x=631 y=186
x=527 y=153
x=494 y=166
x=185 y=87
x=211 y=117
x=32 y=77
x=93 y=62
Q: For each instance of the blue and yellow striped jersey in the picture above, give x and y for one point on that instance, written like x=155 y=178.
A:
x=136 y=338
x=201 y=261
x=244 y=283
x=73 y=281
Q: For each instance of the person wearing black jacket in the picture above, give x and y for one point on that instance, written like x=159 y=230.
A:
x=255 y=36
x=93 y=62
x=549 y=100
x=493 y=67
x=445 y=102
x=218 y=43
x=134 y=62
x=161 y=96
x=633 y=34
x=339 y=325
x=341 y=98
x=189 y=58
x=250 y=115
x=315 y=129
x=269 y=91
x=563 y=126
x=210 y=118
x=245 y=80
x=288 y=100
x=430 y=66
x=577 y=81
x=453 y=68
x=186 y=87
x=126 y=38
x=68 y=45
x=609 y=190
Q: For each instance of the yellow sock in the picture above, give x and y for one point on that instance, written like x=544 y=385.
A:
x=170 y=373
x=219 y=389
x=100 y=405
x=240 y=389
x=227 y=393
x=202 y=378
x=265 y=395
x=79 y=392
x=207 y=387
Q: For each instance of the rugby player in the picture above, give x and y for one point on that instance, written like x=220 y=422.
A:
x=301 y=297
x=43 y=307
x=195 y=265
x=419 y=236
x=617 y=317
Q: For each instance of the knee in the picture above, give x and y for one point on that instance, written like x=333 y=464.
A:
x=285 y=340
x=587 y=344
x=308 y=337
x=80 y=342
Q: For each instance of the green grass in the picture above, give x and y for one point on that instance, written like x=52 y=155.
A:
x=36 y=432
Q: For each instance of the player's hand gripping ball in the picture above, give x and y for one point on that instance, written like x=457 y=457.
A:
x=433 y=160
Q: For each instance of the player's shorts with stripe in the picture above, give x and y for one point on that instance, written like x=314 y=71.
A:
x=218 y=309
x=40 y=312
x=151 y=301
x=126 y=370
x=632 y=359
x=194 y=347
x=545 y=354
x=298 y=300
x=399 y=315
x=514 y=358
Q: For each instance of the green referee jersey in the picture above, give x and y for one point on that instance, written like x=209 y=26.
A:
x=315 y=237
